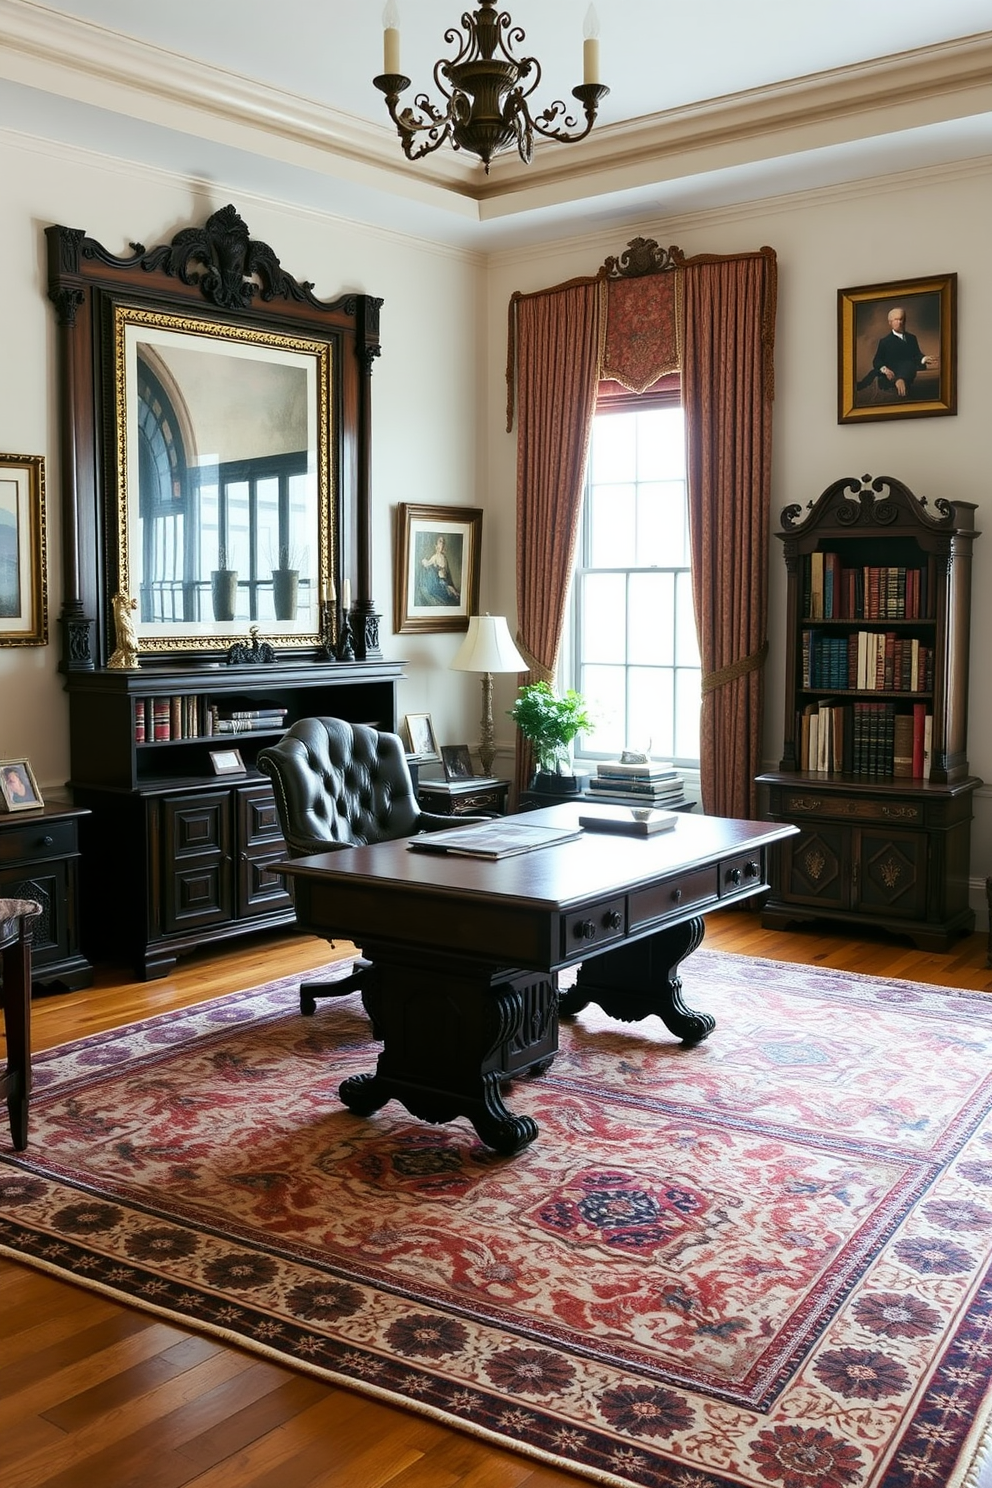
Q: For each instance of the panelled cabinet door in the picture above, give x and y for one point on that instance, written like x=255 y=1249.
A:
x=260 y=844
x=198 y=877
x=812 y=866
x=892 y=872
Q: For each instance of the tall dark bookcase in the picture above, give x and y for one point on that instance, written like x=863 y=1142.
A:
x=871 y=565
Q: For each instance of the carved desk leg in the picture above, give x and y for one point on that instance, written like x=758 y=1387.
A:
x=641 y=977
x=453 y=1033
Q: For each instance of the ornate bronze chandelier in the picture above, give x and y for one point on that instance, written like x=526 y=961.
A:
x=487 y=89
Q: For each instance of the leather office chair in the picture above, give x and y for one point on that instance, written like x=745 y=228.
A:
x=340 y=785
x=15 y=994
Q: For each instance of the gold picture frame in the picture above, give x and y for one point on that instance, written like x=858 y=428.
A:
x=18 y=787
x=23 y=552
x=436 y=578
x=923 y=382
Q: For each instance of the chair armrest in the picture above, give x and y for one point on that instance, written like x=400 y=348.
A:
x=429 y=821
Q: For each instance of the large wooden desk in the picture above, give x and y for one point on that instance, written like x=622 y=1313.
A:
x=464 y=990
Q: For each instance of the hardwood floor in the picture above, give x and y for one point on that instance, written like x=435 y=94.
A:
x=94 y=1393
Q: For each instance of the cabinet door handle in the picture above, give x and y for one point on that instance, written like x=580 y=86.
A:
x=676 y=896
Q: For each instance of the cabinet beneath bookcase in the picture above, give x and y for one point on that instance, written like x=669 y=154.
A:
x=175 y=855
x=874 y=767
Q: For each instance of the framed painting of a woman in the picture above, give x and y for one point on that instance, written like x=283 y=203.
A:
x=437 y=567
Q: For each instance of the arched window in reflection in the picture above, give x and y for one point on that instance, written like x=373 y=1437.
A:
x=168 y=537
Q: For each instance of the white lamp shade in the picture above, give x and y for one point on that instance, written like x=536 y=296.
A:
x=488 y=647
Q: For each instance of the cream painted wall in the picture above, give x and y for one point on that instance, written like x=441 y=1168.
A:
x=439 y=393
x=932 y=222
x=424 y=391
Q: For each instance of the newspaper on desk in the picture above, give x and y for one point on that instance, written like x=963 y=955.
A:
x=493 y=839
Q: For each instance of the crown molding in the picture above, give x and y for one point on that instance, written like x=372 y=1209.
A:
x=75 y=59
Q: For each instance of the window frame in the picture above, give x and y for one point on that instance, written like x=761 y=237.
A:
x=613 y=399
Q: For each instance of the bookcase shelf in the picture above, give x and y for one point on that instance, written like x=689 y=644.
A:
x=176 y=855
x=883 y=798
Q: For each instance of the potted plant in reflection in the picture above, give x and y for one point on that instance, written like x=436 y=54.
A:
x=549 y=723
x=224 y=588
x=286 y=585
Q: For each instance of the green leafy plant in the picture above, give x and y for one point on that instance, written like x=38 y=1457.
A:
x=550 y=723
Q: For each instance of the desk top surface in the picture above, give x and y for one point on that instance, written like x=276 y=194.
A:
x=570 y=872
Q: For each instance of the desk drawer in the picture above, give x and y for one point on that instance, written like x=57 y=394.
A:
x=40 y=839
x=739 y=875
x=659 y=901
x=823 y=803
x=589 y=929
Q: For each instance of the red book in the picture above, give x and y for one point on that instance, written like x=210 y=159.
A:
x=919 y=727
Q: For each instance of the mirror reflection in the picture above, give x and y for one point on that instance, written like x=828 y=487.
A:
x=221 y=521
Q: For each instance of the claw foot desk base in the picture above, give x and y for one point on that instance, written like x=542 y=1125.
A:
x=464 y=987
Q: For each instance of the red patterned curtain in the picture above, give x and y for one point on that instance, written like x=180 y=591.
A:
x=644 y=316
x=557 y=342
x=727 y=389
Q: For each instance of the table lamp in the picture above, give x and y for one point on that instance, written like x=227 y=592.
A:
x=488 y=648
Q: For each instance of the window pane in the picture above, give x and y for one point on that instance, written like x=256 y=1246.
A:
x=636 y=656
x=612 y=530
x=687 y=712
x=687 y=647
x=650 y=706
x=651 y=627
x=613 y=451
x=603 y=617
x=662 y=528
x=661 y=445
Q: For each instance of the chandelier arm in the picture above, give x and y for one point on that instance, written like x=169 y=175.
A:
x=419 y=136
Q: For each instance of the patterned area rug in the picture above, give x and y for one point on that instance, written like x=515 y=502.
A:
x=761 y=1261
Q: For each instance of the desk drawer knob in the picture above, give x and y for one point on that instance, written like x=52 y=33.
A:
x=585 y=930
x=736 y=877
x=676 y=896
x=751 y=870
x=614 y=920
x=47 y=841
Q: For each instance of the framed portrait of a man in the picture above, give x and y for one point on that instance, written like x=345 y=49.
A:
x=897 y=350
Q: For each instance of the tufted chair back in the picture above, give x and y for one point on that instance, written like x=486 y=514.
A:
x=340 y=784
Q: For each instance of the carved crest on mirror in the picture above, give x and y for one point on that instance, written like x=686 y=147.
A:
x=216 y=436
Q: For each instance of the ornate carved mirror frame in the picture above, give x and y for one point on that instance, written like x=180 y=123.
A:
x=194 y=345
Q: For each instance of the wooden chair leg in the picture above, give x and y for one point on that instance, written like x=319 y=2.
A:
x=16 y=960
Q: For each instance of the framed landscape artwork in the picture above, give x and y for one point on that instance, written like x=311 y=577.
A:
x=897 y=350
x=23 y=582
x=436 y=579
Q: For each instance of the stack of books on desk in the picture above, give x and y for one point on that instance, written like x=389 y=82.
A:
x=650 y=784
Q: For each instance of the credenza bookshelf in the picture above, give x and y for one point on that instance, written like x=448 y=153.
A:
x=177 y=855
x=874 y=767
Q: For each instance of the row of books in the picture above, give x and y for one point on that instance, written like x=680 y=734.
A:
x=650 y=784
x=191 y=716
x=866 y=661
x=866 y=739
x=869 y=592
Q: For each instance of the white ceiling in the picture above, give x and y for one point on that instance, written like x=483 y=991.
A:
x=711 y=102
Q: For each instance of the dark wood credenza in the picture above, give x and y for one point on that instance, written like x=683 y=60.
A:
x=178 y=857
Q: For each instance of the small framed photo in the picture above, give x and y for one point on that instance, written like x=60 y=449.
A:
x=436 y=578
x=18 y=787
x=227 y=761
x=23 y=557
x=420 y=736
x=897 y=350
x=457 y=762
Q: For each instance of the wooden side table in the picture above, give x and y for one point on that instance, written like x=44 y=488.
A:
x=463 y=797
x=39 y=857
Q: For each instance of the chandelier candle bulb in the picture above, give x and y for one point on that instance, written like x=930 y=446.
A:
x=346 y=595
x=590 y=47
x=391 y=39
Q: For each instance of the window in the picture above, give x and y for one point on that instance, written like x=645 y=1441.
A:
x=635 y=651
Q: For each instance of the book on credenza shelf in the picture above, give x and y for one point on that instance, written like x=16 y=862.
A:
x=493 y=839
x=633 y=821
